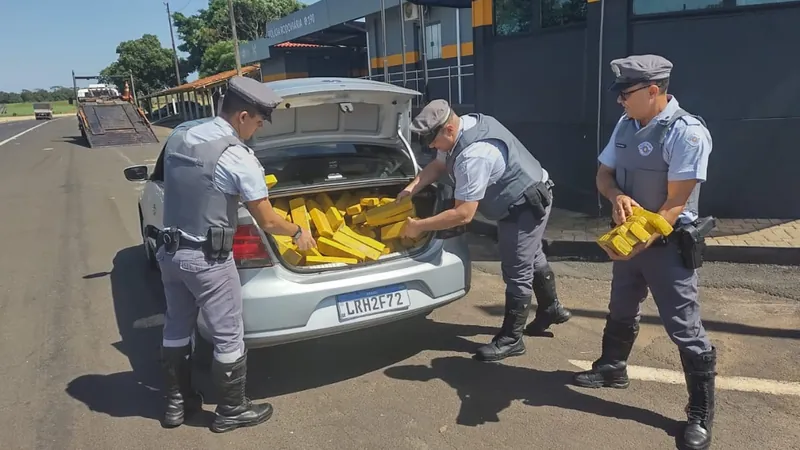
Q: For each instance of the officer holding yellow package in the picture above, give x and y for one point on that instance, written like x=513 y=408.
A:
x=494 y=173
x=656 y=159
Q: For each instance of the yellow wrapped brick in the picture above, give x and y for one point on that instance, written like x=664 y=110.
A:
x=324 y=201
x=271 y=180
x=319 y=218
x=354 y=210
x=345 y=200
x=370 y=202
x=314 y=260
x=281 y=206
x=299 y=212
x=386 y=201
x=379 y=222
x=379 y=246
x=392 y=231
x=656 y=220
x=329 y=247
x=348 y=241
x=390 y=209
x=367 y=231
x=359 y=219
x=288 y=250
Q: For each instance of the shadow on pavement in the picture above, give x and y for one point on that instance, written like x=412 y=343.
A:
x=486 y=390
x=139 y=301
x=75 y=140
x=710 y=325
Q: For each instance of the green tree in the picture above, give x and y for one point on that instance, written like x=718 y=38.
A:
x=209 y=27
x=217 y=58
x=152 y=66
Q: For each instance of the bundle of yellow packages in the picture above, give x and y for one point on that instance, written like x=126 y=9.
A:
x=638 y=228
x=355 y=228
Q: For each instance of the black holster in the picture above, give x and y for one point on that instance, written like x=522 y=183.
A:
x=539 y=196
x=170 y=239
x=218 y=243
x=691 y=241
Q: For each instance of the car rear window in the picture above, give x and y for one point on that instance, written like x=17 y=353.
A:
x=320 y=163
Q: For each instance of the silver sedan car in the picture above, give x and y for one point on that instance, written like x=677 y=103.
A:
x=332 y=136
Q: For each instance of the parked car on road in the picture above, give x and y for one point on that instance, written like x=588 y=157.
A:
x=332 y=135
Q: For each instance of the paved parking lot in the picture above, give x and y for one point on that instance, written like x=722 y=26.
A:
x=80 y=328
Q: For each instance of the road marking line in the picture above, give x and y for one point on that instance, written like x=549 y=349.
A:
x=47 y=149
x=742 y=384
x=20 y=134
x=119 y=152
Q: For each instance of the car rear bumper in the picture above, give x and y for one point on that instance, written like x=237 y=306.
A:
x=282 y=307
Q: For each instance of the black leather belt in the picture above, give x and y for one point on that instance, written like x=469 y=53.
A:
x=187 y=244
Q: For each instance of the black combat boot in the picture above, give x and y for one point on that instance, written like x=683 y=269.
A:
x=235 y=409
x=182 y=399
x=700 y=371
x=508 y=342
x=611 y=370
x=549 y=310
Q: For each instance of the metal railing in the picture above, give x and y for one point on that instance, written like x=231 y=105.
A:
x=415 y=79
x=3 y=109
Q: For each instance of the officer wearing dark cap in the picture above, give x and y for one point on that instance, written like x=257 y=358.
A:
x=207 y=172
x=657 y=158
x=494 y=173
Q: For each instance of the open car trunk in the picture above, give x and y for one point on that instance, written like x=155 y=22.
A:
x=352 y=227
x=339 y=151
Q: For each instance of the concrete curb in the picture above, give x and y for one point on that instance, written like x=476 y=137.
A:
x=589 y=251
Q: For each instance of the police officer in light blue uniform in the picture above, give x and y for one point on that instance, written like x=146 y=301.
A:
x=495 y=174
x=657 y=158
x=207 y=172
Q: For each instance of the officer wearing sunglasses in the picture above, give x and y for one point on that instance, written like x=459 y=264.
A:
x=495 y=174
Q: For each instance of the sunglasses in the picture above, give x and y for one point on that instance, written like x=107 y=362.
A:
x=624 y=95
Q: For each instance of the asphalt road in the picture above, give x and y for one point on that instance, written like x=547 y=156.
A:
x=80 y=327
x=9 y=129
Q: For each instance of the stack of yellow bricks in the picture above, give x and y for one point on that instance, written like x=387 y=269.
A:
x=638 y=228
x=354 y=228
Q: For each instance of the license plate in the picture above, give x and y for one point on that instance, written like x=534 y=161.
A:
x=373 y=301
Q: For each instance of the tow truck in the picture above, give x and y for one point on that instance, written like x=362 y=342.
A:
x=107 y=118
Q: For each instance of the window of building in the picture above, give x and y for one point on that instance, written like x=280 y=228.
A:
x=433 y=38
x=512 y=17
x=563 y=12
x=643 y=7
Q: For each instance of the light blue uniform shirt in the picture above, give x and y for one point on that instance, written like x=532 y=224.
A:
x=478 y=166
x=686 y=150
x=238 y=171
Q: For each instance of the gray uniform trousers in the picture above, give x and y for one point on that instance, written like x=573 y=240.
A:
x=519 y=238
x=674 y=289
x=193 y=284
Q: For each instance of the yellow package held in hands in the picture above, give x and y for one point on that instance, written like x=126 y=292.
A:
x=656 y=220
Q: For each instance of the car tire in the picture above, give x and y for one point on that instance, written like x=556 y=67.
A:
x=149 y=254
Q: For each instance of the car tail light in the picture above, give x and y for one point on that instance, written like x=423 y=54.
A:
x=249 y=250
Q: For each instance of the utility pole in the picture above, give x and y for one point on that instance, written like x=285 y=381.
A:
x=235 y=39
x=175 y=55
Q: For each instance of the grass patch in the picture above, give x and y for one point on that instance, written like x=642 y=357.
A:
x=26 y=109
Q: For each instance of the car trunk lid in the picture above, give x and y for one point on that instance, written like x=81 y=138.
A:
x=337 y=110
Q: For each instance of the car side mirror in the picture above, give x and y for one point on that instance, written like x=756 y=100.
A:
x=136 y=173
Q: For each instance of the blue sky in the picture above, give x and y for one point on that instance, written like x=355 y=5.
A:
x=45 y=40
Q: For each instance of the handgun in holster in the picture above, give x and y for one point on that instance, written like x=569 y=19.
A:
x=539 y=196
x=219 y=243
x=691 y=241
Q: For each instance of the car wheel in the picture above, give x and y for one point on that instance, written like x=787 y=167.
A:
x=149 y=254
